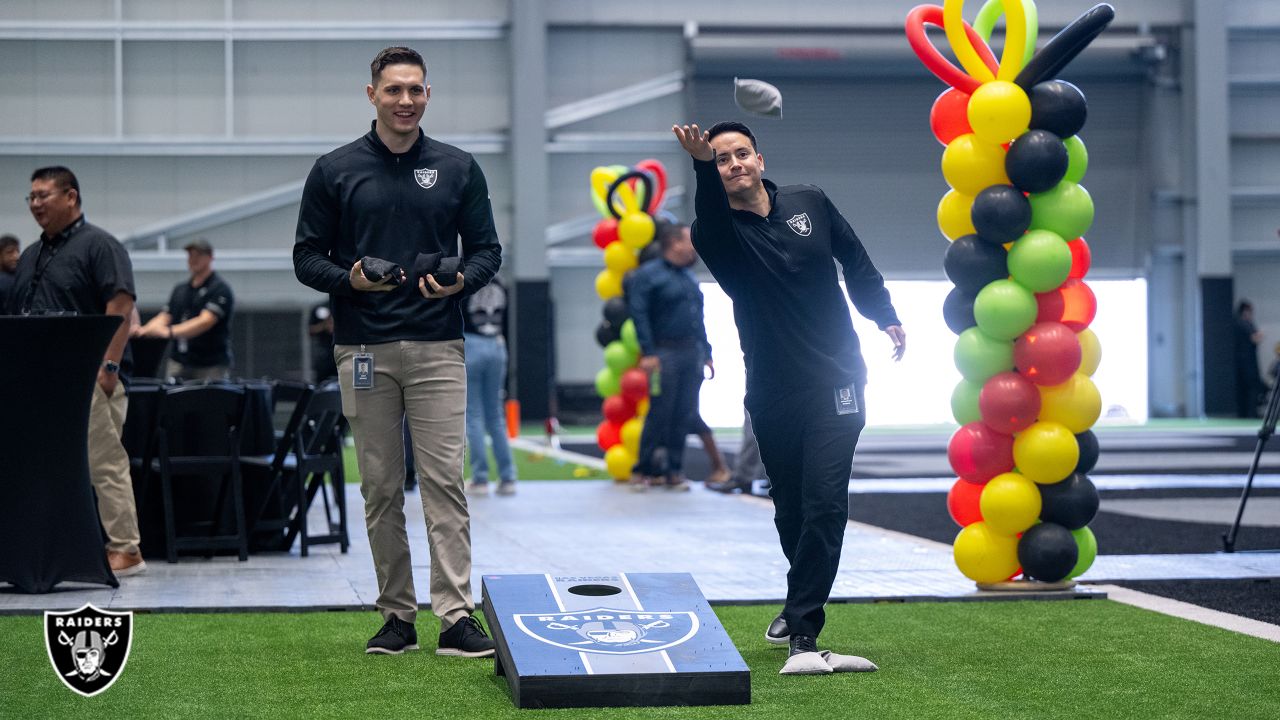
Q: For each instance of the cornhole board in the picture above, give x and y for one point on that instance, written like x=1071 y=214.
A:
x=615 y=640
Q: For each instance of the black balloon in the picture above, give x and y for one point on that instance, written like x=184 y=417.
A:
x=607 y=333
x=615 y=311
x=649 y=252
x=1065 y=46
x=957 y=310
x=1000 y=214
x=1059 y=107
x=1036 y=161
x=1047 y=552
x=638 y=175
x=1071 y=503
x=1089 y=450
x=971 y=263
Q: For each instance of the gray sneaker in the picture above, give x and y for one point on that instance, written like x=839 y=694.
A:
x=478 y=489
x=507 y=487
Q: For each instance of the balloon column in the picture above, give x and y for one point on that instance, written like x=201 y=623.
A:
x=1016 y=216
x=628 y=198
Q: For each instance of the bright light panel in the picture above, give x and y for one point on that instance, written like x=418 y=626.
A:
x=917 y=390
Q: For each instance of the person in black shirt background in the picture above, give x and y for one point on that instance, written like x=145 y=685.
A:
x=666 y=306
x=9 y=254
x=771 y=249
x=77 y=267
x=394 y=195
x=197 y=319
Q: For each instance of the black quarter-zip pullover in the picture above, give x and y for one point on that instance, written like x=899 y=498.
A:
x=792 y=319
x=362 y=199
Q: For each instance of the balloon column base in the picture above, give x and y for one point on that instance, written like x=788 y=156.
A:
x=1026 y=586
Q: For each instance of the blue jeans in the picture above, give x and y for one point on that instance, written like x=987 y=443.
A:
x=486 y=377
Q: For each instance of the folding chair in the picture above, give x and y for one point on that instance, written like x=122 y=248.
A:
x=272 y=501
x=198 y=446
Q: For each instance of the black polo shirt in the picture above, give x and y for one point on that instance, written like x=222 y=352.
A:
x=213 y=346
x=779 y=271
x=75 y=272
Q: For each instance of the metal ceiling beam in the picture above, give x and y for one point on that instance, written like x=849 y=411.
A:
x=251 y=30
x=614 y=100
x=217 y=145
x=214 y=216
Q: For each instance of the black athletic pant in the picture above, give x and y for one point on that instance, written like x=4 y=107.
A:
x=671 y=412
x=807 y=451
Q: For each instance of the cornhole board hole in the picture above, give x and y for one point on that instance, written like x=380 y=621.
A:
x=611 y=641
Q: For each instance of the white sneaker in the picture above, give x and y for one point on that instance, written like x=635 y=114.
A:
x=507 y=487
x=478 y=489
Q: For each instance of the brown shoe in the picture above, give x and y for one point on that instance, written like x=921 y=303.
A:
x=719 y=476
x=125 y=564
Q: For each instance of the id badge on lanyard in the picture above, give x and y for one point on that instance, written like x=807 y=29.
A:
x=362 y=371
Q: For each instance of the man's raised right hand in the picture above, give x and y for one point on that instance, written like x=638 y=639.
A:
x=694 y=141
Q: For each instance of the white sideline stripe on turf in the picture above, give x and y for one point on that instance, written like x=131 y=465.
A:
x=1194 y=613
x=871 y=529
x=536 y=446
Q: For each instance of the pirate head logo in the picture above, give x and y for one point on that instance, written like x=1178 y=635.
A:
x=88 y=647
x=800 y=224
x=425 y=177
x=610 y=632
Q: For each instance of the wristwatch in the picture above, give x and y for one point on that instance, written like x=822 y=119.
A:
x=111 y=366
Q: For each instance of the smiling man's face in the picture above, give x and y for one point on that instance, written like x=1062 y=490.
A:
x=739 y=164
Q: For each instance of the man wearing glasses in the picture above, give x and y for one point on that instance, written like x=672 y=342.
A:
x=80 y=269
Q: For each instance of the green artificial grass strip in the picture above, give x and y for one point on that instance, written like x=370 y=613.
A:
x=529 y=466
x=1069 y=659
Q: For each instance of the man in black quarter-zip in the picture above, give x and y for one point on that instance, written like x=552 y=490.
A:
x=771 y=249
x=393 y=195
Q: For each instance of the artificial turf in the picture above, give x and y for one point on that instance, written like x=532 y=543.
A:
x=529 y=466
x=1069 y=659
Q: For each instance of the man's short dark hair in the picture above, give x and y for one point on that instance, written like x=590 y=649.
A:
x=729 y=126
x=1244 y=305
x=665 y=233
x=396 y=55
x=7 y=241
x=61 y=176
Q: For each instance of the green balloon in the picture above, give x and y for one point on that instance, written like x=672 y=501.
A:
x=978 y=356
x=1040 y=261
x=1066 y=210
x=607 y=383
x=618 y=357
x=1088 y=546
x=1005 y=309
x=629 y=338
x=1077 y=159
x=964 y=402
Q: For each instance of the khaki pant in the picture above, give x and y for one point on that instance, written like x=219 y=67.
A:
x=175 y=369
x=109 y=469
x=427 y=383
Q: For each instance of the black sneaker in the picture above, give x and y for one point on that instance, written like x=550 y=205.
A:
x=394 y=638
x=803 y=644
x=465 y=638
x=778 y=632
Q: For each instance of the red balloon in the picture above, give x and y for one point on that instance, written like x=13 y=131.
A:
x=962 y=502
x=1047 y=354
x=606 y=232
x=949 y=118
x=617 y=409
x=1009 y=403
x=1073 y=304
x=1081 y=258
x=635 y=385
x=608 y=435
x=978 y=453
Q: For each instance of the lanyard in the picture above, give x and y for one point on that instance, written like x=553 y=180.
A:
x=41 y=267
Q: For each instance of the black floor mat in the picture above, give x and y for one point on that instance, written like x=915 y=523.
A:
x=925 y=515
x=1254 y=598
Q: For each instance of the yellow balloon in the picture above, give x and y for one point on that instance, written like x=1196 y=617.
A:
x=619 y=258
x=630 y=434
x=999 y=111
x=635 y=229
x=1046 y=452
x=601 y=178
x=954 y=215
x=1076 y=403
x=985 y=556
x=618 y=461
x=971 y=165
x=1010 y=503
x=953 y=24
x=1090 y=352
x=642 y=407
x=608 y=284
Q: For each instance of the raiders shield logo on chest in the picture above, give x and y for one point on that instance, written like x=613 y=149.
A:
x=426 y=177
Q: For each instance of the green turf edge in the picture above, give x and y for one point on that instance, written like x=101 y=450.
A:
x=1089 y=659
